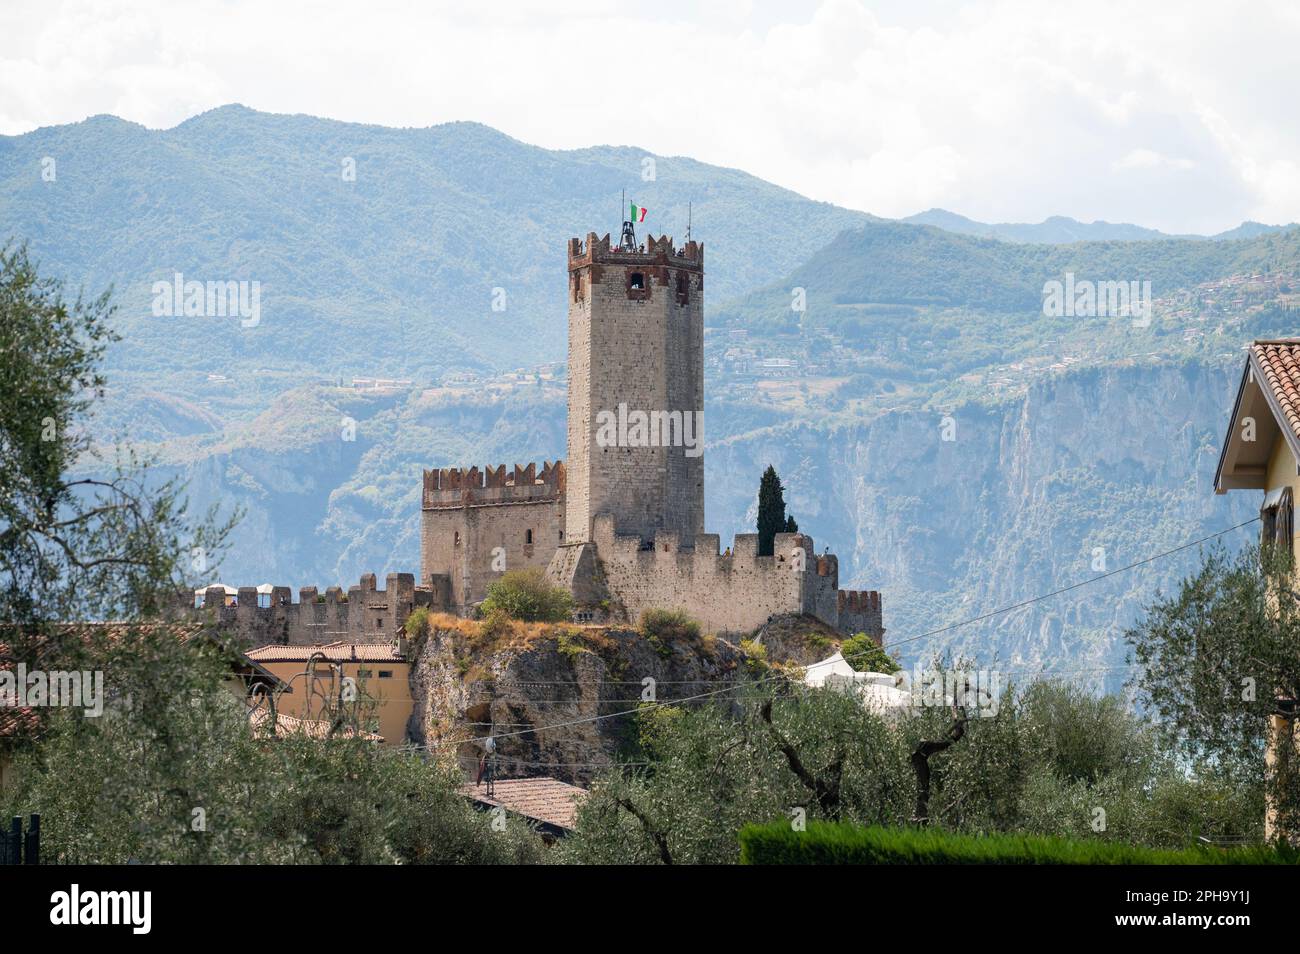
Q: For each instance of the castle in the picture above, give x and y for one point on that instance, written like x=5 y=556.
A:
x=621 y=523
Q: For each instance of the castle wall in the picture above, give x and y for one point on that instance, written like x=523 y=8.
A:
x=477 y=524
x=366 y=615
x=735 y=592
x=637 y=351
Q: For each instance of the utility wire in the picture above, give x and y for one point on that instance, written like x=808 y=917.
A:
x=934 y=632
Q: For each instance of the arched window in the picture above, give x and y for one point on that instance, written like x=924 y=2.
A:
x=528 y=536
x=638 y=282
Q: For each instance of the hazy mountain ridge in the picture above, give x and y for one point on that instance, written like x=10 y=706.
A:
x=391 y=276
x=1060 y=229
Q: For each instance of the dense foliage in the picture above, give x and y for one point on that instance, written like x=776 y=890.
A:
x=1220 y=663
x=173 y=773
x=167 y=765
x=1054 y=760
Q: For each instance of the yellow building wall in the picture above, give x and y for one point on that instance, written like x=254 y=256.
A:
x=1281 y=473
x=391 y=698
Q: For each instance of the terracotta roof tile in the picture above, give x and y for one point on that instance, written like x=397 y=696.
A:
x=541 y=799
x=17 y=721
x=1279 y=363
x=334 y=652
x=312 y=728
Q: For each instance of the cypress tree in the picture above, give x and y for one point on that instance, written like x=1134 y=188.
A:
x=771 y=511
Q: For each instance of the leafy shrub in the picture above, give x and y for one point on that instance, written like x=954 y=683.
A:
x=755 y=655
x=496 y=624
x=417 y=624
x=569 y=643
x=668 y=626
x=662 y=628
x=527 y=595
x=862 y=653
x=829 y=843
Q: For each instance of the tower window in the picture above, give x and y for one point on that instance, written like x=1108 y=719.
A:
x=683 y=288
x=528 y=536
x=638 y=286
x=456 y=541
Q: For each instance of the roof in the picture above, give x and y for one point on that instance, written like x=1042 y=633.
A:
x=1280 y=363
x=18 y=721
x=340 y=651
x=1268 y=395
x=546 y=800
x=879 y=691
x=258 y=716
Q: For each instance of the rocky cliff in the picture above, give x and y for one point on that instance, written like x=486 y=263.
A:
x=537 y=688
x=1087 y=472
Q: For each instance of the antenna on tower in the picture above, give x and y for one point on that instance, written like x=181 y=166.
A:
x=627 y=242
x=688 y=221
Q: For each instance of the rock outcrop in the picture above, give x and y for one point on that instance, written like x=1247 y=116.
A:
x=537 y=689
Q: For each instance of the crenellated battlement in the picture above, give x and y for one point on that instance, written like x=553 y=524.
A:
x=859 y=601
x=734 y=590
x=455 y=487
x=859 y=612
x=267 y=615
x=653 y=251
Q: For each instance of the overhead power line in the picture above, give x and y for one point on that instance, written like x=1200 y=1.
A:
x=586 y=720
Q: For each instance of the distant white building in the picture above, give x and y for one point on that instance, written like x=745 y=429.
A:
x=880 y=692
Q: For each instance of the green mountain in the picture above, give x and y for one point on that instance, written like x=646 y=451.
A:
x=391 y=274
x=892 y=264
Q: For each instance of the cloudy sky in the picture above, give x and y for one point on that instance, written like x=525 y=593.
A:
x=1180 y=115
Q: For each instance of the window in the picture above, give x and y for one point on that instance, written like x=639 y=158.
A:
x=638 y=285
x=1277 y=519
x=456 y=542
x=385 y=674
x=528 y=536
x=379 y=622
x=264 y=600
x=683 y=288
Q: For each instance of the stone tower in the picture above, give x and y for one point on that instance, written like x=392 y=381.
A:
x=636 y=387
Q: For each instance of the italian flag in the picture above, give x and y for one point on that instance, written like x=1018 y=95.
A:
x=637 y=214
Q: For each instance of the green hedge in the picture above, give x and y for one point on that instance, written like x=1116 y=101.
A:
x=825 y=843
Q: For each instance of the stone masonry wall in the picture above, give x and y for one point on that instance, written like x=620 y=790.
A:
x=476 y=525
x=643 y=349
x=366 y=615
x=735 y=592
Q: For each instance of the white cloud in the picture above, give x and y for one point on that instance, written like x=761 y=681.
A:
x=1179 y=116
